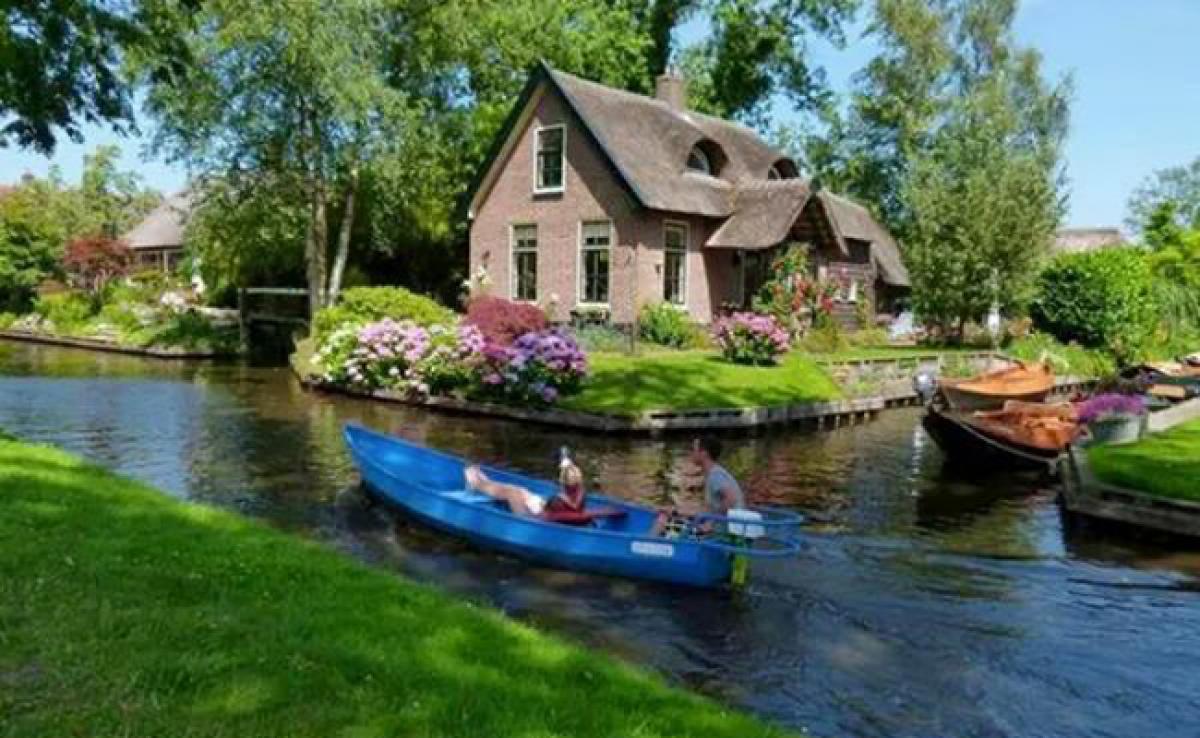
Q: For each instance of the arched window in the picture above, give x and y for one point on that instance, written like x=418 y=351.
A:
x=698 y=161
x=783 y=169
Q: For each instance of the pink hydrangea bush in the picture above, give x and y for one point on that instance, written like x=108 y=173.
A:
x=749 y=338
x=537 y=368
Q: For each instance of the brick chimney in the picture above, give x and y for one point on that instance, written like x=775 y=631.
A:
x=671 y=89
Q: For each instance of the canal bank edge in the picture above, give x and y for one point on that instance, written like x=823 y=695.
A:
x=833 y=413
x=248 y=630
x=94 y=344
x=1085 y=494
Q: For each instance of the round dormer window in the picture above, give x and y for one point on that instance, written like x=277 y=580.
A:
x=698 y=161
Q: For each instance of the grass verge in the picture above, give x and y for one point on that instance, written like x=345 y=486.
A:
x=125 y=612
x=1166 y=464
x=689 y=380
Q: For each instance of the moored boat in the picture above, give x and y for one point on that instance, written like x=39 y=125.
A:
x=1020 y=434
x=1021 y=382
x=428 y=485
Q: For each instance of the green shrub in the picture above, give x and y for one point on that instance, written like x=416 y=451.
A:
x=1066 y=359
x=1099 y=299
x=67 y=310
x=869 y=338
x=665 y=325
x=601 y=338
x=362 y=305
x=6 y=320
x=121 y=315
x=825 y=338
x=191 y=330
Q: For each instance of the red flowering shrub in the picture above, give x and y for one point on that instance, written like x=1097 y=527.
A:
x=91 y=262
x=503 y=321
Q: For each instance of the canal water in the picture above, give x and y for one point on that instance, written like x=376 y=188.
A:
x=928 y=602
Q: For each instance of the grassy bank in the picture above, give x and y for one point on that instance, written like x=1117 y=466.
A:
x=621 y=384
x=1165 y=464
x=124 y=612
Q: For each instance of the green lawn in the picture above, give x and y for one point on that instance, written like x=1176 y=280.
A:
x=688 y=380
x=125 y=612
x=1165 y=464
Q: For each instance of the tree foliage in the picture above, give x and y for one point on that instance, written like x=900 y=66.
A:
x=60 y=65
x=758 y=48
x=39 y=215
x=933 y=55
x=983 y=206
x=93 y=262
x=1102 y=299
x=1174 y=190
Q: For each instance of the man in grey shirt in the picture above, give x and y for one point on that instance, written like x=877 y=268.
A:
x=721 y=491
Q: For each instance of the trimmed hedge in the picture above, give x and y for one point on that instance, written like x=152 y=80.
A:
x=1100 y=299
x=362 y=305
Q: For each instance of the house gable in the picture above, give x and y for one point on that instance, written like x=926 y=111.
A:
x=540 y=84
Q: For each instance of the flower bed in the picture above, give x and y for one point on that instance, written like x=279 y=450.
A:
x=537 y=368
x=747 y=338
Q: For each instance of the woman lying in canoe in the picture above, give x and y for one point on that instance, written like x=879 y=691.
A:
x=570 y=497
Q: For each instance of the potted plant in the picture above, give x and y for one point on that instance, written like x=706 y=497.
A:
x=1113 y=417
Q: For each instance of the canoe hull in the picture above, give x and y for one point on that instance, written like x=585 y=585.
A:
x=968 y=400
x=427 y=486
x=964 y=442
x=1022 y=383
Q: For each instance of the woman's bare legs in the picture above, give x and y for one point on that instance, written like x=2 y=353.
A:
x=510 y=493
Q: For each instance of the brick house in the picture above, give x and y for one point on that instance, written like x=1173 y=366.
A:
x=598 y=200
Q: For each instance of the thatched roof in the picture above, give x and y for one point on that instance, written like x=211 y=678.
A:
x=764 y=212
x=648 y=143
x=1075 y=240
x=164 y=226
x=854 y=221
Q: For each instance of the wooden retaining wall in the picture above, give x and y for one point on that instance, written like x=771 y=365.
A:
x=821 y=414
x=1085 y=494
x=95 y=344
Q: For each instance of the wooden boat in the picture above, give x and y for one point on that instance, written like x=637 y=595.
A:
x=428 y=485
x=1021 y=434
x=1022 y=382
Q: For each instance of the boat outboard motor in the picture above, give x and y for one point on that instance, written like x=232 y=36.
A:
x=925 y=385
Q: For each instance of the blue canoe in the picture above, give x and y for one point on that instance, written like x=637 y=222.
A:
x=428 y=485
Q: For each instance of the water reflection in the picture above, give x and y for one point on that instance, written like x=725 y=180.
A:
x=928 y=602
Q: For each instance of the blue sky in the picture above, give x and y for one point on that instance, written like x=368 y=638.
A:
x=1136 y=67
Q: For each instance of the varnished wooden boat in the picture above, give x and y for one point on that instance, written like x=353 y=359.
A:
x=1022 y=382
x=1021 y=434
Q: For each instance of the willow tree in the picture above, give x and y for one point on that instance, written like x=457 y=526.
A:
x=291 y=92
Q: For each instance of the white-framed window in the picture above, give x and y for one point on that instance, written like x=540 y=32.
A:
x=675 y=246
x=595 y=260
x=549 y=161
x=524 y=262
x=698 y=161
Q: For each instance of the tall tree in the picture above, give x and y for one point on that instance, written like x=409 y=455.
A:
x=983 y=205
x=294 y=90
x=933 y=54
x=954 y=137
x=1178 y=187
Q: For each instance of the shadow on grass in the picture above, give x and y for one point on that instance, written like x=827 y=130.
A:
x=127 y=612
